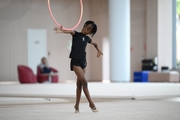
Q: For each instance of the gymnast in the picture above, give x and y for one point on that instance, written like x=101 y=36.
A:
x=78 y=58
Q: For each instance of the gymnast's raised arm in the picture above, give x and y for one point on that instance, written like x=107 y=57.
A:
x=61 y=30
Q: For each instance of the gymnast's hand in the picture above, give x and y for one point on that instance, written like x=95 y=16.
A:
x=58 y=30
x=99 y=53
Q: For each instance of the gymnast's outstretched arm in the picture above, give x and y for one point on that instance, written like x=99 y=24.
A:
x=61 y=30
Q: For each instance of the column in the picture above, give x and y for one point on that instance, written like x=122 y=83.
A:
x=159 y=31
x=119 y=37
x=164 y=33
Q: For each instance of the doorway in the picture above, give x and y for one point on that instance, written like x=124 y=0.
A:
x=37 y=47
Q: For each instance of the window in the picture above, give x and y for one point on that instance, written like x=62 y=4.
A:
x=176 y=44
x=178 y=33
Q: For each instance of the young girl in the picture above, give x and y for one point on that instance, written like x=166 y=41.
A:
x=78 y=58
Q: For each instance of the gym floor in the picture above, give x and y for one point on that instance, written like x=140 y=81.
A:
x=13 y=108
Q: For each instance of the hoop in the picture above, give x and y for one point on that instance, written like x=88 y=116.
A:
x=80 y=18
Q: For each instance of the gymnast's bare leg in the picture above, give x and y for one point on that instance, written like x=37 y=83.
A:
x=82 y=84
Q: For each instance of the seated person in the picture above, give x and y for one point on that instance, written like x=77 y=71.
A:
x=45 y=68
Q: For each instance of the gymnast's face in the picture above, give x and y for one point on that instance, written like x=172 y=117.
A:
x=87 y=29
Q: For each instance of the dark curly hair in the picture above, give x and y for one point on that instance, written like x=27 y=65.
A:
x=94 y=26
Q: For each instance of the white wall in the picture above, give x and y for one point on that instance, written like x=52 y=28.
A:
x=99 y=14
x=17 y=16
x=164 y=33
x=151 y=29
x=159 y=31
x=138 y=34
